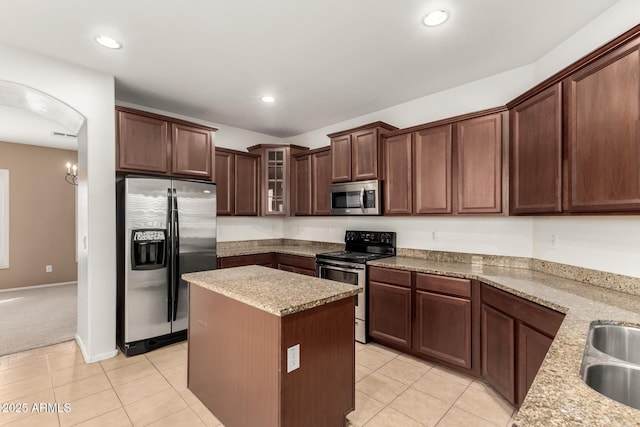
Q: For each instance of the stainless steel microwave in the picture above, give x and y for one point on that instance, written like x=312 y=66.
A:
x=356 y=198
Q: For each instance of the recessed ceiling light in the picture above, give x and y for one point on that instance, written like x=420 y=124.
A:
x=268 y=99
x=435 y=18
x=108 y=42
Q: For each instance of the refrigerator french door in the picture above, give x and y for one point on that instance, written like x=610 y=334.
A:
x=166 y=227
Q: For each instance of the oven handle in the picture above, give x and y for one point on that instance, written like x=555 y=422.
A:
x=334 y=267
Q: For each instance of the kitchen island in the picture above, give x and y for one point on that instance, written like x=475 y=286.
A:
x=271 y=348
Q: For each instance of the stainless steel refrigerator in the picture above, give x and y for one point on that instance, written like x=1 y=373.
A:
x=165 y=228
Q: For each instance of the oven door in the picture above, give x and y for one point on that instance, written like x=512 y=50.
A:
x=354 y=276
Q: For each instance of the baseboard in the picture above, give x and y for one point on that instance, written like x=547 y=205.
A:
x=25 y=288
x=99 y=357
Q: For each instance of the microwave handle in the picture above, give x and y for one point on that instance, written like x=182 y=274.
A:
x=362 y=200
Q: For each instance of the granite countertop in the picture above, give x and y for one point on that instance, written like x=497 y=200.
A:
x=300 y=250
x=558 y=396
x=274 y=291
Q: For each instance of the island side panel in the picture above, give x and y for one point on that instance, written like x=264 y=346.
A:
x=233 y=359
x=322 y=391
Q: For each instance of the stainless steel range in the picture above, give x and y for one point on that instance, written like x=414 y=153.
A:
x=349 y=266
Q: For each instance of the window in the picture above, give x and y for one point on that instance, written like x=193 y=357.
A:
x=4 y=218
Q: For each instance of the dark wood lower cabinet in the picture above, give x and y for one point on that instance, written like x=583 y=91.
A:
x=293 y=263
x=390 y=314
x=516 y=335
x=297 y=264
x=443 y=328
x=498 y=351
x=242 y=260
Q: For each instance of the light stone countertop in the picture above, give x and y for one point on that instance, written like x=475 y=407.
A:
x=274 y=291
x=300 y=250
x=558 y=396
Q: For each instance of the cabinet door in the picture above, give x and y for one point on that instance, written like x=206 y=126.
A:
x=498 y=351
x=443 y=328
x=321 y=182
x=532 y=349
x=191 y=151
x=242 y=260
x=479 y=148
x=364 y=149
x=246 y=185
x=390 y=314
x=224 y=169
x=143 y=143
x=398 y=173
x=302 y=185
x=536 y=154
x=603 y=121
x=432 y=170
x=341 y=159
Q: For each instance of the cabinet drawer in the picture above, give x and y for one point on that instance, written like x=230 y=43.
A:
x=443 y=285
x=543 y=319
x=387 y=275
x=242 y=260
x=303 y=262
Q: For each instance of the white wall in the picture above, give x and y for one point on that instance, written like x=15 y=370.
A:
x=249 y=228
x=92 y=94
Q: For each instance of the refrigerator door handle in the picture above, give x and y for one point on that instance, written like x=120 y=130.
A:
x=169 y=250
x=176 y=249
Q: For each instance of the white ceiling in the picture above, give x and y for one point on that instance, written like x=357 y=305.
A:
x=325 y=61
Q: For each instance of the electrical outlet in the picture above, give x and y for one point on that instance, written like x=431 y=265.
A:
x=434 y=236
x=554 y=241
x=293 y=358
x=48 y=268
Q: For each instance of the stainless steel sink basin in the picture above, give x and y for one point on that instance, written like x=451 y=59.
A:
x=618 y=382
x=621 y=342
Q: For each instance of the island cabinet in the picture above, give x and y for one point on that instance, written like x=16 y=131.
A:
x=536 y=153
x=277 y=176
x=154 y=144
x=237 y=178
x=602 y=103
x=269 y=349
x=516 y=335
x=356 y=154
x=312 y=181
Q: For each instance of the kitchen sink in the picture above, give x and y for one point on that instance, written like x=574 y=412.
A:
x=611 y=362
x=621 y=342
x=618 y=382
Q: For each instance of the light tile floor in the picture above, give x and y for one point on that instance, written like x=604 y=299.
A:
x=392 y=390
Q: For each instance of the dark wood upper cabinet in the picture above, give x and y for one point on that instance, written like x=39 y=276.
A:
x=246 y=184
x=398 y=172
x=365 y=151
x=603 y=132
x=191 y=151
x=356 y=154
x=154 y=144
x=432 y=170
x=321 y=181
x=341 y=158
x=536 y=153
x=236 y=182
x=142 y=143
x=311 y=182
x=479 y=149
x=302 y=185
x=225 y=181
x=277 y=175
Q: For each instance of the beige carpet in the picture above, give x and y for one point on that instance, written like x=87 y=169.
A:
x=37 y=317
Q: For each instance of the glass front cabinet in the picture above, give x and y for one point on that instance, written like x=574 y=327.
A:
x=276 y=176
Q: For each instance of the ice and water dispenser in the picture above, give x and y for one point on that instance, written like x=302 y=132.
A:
x=148 y=249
